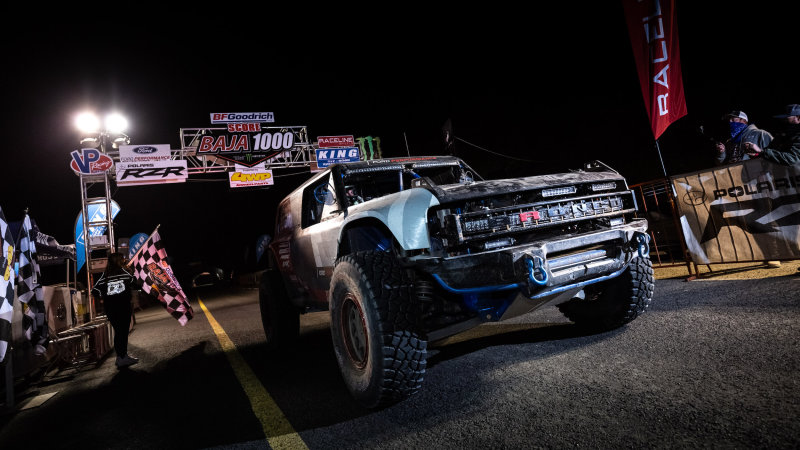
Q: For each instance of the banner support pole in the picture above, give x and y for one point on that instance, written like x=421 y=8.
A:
x=658 y=149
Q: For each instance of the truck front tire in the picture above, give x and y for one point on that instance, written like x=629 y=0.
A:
x=381 y=352
x=616 y=302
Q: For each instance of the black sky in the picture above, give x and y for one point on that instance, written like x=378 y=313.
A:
x=555 y=86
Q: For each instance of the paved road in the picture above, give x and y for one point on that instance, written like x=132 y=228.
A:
x=711 y=364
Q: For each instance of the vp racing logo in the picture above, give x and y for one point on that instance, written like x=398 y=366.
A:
x=754 y=215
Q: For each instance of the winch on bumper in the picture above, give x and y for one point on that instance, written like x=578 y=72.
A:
x=539 y=269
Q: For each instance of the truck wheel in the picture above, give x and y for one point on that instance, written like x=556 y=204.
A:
x=374 y=325
x=613 y=303
x=280 y=318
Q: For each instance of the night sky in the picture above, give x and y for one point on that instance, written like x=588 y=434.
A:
x=553 y=88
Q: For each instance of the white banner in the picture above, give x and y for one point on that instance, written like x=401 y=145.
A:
x=748 y=211
x=144 y=153
x=155 y=172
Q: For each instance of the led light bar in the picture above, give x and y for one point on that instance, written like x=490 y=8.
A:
x=559 y=191
x=604 y=186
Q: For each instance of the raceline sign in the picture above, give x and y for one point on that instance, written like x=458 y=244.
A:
x=243 y=117
x=154 y=172
x=749 y=211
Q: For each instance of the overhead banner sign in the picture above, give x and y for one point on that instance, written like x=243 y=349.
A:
x=749 y=211
x=248 y=145
x=653 y=31
x=326 y=157
x=255 y=176
x=335 y=141
x=240 y=117
x=155 y=172
x=144 y=153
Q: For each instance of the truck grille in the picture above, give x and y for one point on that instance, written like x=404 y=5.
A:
x=490 y=223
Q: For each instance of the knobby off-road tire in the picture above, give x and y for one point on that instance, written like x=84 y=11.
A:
x=613 y=303
x=280 y=318
x=381 y=352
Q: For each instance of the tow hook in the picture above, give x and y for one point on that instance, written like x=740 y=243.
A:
x=642 y=243
x=536 y=264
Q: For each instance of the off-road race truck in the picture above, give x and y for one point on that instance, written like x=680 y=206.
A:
x=407 y=251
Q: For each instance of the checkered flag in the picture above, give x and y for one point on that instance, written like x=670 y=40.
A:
x=150 y=267
x=6 y=284
x=29 y=290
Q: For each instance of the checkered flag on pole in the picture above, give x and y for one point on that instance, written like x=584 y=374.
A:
x=29 y=290
x=6 y=284
x=151 y=268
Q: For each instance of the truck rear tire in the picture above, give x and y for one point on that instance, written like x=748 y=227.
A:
x=616 y=302
x=381 y=352
x=280 y=318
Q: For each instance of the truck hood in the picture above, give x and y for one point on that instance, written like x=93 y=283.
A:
x=480 y=189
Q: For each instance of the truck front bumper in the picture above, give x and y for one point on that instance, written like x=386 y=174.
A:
x=542 y=268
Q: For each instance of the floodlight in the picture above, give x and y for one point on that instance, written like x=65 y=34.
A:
x=116 y=123
x=87 y=122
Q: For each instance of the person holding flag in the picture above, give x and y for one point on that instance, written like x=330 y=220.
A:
x=114 y=287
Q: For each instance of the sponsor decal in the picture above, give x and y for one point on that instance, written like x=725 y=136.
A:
x=243 y=117
x=326 y=157
x=250 y=177
x=90 y=160
x=246 y=149
x=335 y=141
x=368 y=151
x=144 y=153
x=8 y=260
x=155 y=172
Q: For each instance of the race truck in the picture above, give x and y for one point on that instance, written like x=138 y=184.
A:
x=407 y=251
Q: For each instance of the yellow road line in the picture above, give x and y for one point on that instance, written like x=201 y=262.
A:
x=277 y=429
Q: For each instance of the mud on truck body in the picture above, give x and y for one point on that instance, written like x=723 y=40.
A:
x=407 y=251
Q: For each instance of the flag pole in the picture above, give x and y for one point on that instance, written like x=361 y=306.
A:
x=658 y=148
x=133 y=258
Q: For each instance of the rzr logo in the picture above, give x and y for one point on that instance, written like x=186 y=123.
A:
x=762 y=215
x=162 y=172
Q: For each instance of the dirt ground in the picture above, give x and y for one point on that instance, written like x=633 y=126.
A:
x=739 y=271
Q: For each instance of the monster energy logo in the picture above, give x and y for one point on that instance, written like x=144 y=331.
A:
x=373 y=152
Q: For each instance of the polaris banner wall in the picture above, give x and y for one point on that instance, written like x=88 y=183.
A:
x=748 y=211
x=653 y=31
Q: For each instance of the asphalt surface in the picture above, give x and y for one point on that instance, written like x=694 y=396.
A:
x=713 y=363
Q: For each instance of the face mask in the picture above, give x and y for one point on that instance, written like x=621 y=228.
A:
x=736 y=130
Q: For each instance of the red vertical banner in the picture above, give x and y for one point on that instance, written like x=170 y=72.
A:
x=654 y=37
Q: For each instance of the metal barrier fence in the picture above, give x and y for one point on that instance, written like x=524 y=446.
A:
x=667 y=247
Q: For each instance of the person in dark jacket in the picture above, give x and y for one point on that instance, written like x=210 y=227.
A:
x=742 y=133
x=785 y=148
x=114 y=287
